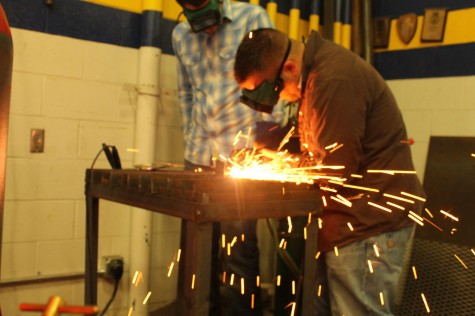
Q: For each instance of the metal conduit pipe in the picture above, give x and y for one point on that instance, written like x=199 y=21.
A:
x=145 y=143
x=367 y=30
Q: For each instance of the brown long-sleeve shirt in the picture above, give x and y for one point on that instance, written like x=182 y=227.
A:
x=347 y=102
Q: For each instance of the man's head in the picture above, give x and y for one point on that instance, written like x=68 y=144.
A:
x=268 y=66
x=203 y=15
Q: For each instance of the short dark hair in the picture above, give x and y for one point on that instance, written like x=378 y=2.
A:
x=259 y=50
x=195 y=3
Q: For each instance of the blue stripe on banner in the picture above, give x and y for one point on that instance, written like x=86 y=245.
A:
x=77 y=19
x=337 y=10
x=440 y=61
x=151 y=28
x=316 y=7
x=295 y=4
x=397 y=8
x=346 y=16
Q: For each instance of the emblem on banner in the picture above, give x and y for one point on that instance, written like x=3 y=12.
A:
x=406 y=27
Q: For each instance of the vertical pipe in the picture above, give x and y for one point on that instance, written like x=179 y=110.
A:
x=356 y=29
x=256 y=2
x=272 y=10
x=337 y=21
x=145 y=141
x=367 y=32
x=315 y=17
x=346 y=27
x=6 y=61
x=294 y=19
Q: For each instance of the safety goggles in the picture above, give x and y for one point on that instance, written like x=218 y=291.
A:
x=266 y=95
x=203 y=18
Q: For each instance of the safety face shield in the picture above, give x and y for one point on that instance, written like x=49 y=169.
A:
x=266 y=95
x=203 y=18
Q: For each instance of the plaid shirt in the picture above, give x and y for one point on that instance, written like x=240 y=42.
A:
x=211 y=113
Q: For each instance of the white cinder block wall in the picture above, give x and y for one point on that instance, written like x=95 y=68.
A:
x=435 y=107
x=82 y=94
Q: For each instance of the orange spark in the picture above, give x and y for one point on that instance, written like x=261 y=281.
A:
x=350 y=226
x=414 y=272
x=170 y=269
x=380 y=207
x=146 y=298
x=193 y=281
x=425 y=219
x=360 y=188
x=336 y=148
x=370 y=266
x=381 y=297
x=392 y=171
x=336 y=251
x=319 y=290
x=242 y=286
x=398 y=198
x=416 y=218
x=413 y=196
x=376 y=250
x=449 y=215
x=428 y=212
x=317 y=255
x=396 y=205
x=278 y=280
x=341 y=201
x=320 y=223
x=465 y=266
x=324 y=200
x=425 y=303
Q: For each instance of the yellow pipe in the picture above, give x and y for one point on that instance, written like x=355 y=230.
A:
x=152 y=5
x=272 y=11
x=337 y=32
x=346 y=36
x=314 y=22
x=256 y=2
x=294 y=19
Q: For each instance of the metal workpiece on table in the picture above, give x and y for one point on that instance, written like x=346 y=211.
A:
x=199 y=199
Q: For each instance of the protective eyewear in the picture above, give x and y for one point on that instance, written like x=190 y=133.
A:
x=266 y=95
x=206 y=17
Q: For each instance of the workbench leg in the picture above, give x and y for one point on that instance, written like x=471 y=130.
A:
x=92 y=218
x=310 y=269
x=195 y=269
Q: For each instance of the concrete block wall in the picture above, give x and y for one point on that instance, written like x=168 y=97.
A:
x=435 y=107
x=82 y=94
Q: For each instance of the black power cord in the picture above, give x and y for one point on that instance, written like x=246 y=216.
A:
x=112 y=156
x=114 y=271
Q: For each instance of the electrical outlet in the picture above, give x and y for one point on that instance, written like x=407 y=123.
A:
x=106 y=261
x=114 y=269
x=37 y=140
